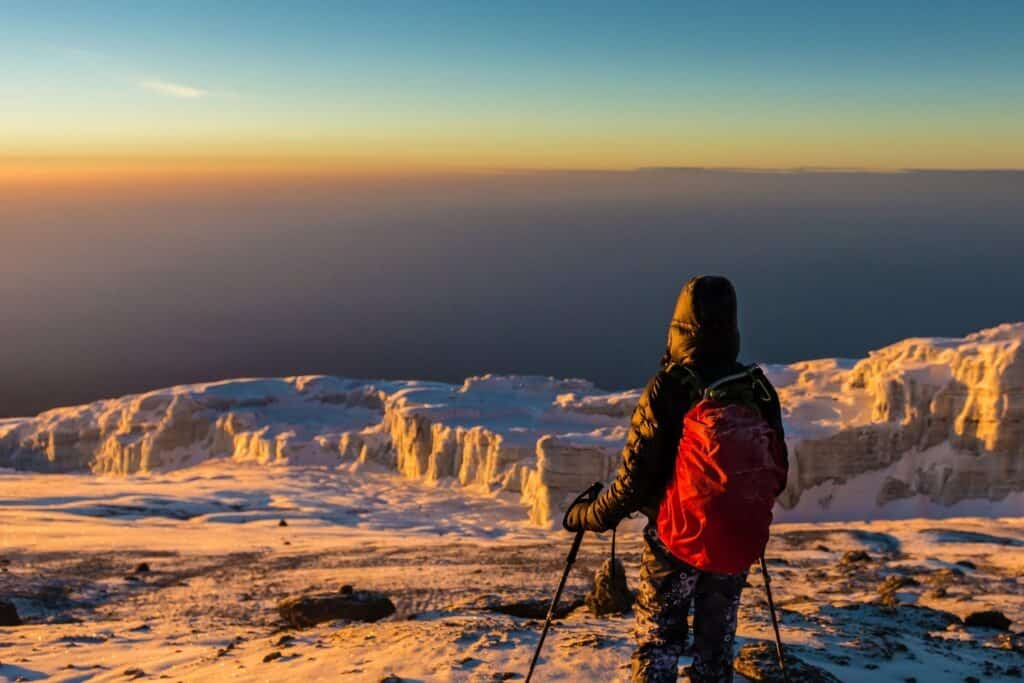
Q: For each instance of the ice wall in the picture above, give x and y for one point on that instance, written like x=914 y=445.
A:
x=914 y=410
x=936 y=421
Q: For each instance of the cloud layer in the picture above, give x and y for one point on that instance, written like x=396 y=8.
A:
x=173 y=89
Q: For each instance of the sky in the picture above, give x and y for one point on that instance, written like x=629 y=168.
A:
x=407 y=86
x=194 y=191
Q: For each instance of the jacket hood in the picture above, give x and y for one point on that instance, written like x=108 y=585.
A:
x=704 y=328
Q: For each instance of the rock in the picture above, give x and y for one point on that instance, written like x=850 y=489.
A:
x=272 y=656
x=945 y=577
x=142 y=568
x=282 y=523
x=967 y=564
x=309 y=610
x=890 y=600
x=134 y=673
x=893 y=583
x=391 y=678
x=988 y=619
x=346 y=589
x=610 y=594
x=528 y=608
x=9 y=614
x=759 y=662
x=854 y=557
x=1009 y=641
x=536 y=608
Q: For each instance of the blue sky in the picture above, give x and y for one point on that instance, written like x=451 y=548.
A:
x=580 y=84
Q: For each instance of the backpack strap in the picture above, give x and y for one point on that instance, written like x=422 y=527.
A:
x=760 y=384
x=753 y=373
x=689 y=377
x=717 y=389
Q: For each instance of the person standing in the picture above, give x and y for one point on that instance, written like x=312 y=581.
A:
x=704 y=460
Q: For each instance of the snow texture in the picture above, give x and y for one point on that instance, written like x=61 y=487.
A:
x=219 y=564
x=925 y=426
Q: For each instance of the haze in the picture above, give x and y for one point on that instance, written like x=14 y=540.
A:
x=110 y=289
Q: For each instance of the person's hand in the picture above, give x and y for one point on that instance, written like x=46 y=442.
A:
x=576 y=517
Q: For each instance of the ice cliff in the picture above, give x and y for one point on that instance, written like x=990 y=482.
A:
x=922 y=427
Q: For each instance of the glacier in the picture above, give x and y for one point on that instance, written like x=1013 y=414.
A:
x=923 y=427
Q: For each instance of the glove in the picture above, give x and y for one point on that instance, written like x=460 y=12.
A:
x=576 y=517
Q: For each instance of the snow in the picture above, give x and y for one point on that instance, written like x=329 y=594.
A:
x=873 y=437
x=442 y=495
x=220 y=562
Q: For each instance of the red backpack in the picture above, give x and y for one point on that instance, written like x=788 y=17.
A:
x=718 y=505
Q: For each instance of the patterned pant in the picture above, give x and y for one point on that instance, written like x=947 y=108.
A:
x=667 y=588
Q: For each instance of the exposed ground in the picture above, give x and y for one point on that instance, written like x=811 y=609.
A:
x=219 y=561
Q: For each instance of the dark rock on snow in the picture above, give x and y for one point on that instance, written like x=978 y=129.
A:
x=988 y=619
x=943 y=578
x=9 y=614
x=610 y=594
x=304 y=611
x=893 y=583
x=142 y=568
x=854 y=557
x=759 y=662
x=530 y=608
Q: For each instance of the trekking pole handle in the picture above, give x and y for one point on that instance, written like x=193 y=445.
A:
x=588 y=496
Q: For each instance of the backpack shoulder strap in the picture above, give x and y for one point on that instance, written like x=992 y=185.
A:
x=756 y=383
x=761 y=391
x=687 y=376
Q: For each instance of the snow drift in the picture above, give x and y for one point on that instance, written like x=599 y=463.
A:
x=922 y=427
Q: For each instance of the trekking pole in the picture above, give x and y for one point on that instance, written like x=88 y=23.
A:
x=775 y=620
x=589 y=495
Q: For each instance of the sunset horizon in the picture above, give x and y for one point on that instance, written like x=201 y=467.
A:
x=358 y=91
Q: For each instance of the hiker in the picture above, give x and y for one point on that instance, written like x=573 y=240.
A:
x=706 y=525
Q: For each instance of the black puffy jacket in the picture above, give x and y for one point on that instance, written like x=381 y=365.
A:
x=703 y=336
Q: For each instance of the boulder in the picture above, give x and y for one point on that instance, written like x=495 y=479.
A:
x=759 y=662
x=610 y=594
x=9 y=614
x=304 y=611
x=988 y=619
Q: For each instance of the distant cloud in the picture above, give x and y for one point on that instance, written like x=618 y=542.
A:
x=173 y=89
